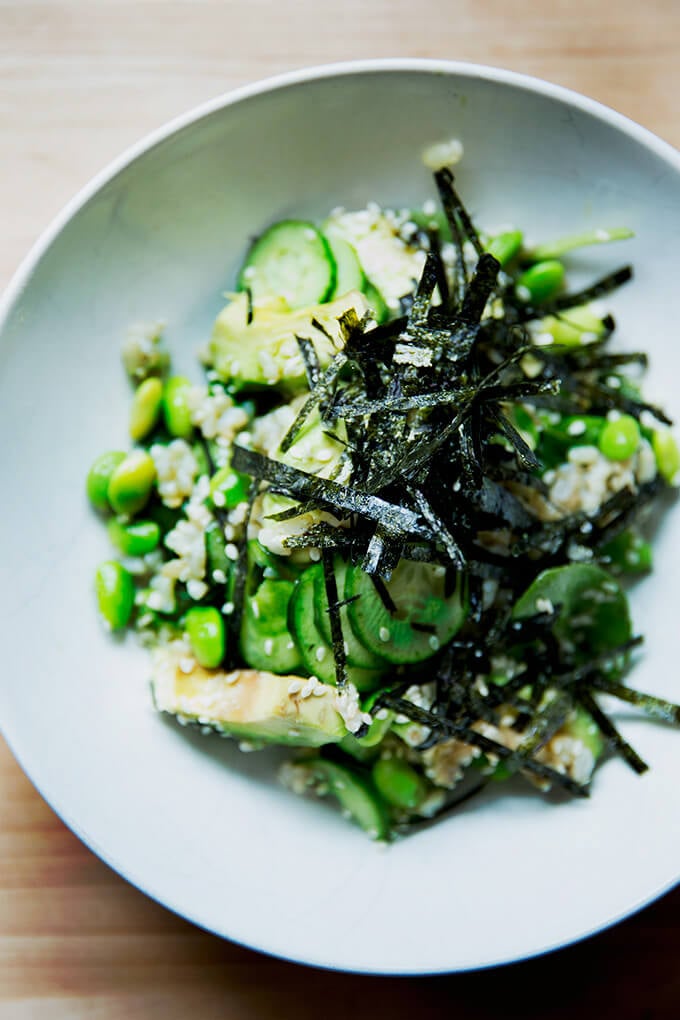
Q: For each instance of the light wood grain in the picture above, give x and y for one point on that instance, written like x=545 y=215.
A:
x=81 y=80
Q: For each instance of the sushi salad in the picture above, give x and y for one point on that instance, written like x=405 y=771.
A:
x=392 y=527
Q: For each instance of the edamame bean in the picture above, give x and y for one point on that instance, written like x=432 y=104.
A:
x=205 y=628
x=540 y=282
x=135 y=539
x=98 y=479
x=620 y=438
x=146 y=408
x=115 y=594
x=130 y=485
x=629 y=553
x=667 y=455
x=575 y=326
x=399 y=783
x=176 y=411
x=505 y=246
x=228 y=488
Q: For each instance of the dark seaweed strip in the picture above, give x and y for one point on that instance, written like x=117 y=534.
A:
x=658 y=708
x=321 y=535
x=239 y=577
x=383 y=553
x=320 y=392
x=442 y=279
x=423 y=295
x=293 y=511
x=611 y=398
x=249 y=300
x=337 y=639
x=310 y=360
x=299 y=484
x=486 y=744
x=454 y=208
x=480 y=288
x=605 y=285
x=439 y=529
x=394 y=404
x=609 y=730
x=519 y=390
x=383 y=594
x=525 y=454
x=545 y=724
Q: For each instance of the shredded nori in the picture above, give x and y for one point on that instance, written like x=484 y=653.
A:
x=442 y=472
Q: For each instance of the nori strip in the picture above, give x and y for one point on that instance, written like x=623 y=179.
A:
x=239 y=577
x=609 y=730
x=310 y=360
x=334 y=619
x=658 y=708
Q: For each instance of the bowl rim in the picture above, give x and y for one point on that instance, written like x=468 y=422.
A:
x=22 y=275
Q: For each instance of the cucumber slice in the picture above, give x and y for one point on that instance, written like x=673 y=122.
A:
x=417 y=590
x=355 y=794
x=357 y=654
x=348 y=272
x=291 y=260
x=376 y=302
x=265 y=642
x=316 y=653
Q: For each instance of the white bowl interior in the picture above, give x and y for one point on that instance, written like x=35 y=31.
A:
x=190 y=820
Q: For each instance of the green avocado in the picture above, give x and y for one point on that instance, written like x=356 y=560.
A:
x=247 y=703
x=265 y=352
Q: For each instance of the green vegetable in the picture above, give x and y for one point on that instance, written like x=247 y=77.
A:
x=291 y=260
x=376 y=302
x=540 y=282
x=98 y=479
x=176 y=410
x=667 y=455
x=146 y=408
x=228 y=488
x=505 y=246
x=354 y=792
x=130 y=484
x=115 y=592
x=620 y=438
x=574 y=326
x=628 y=553
x=205 y=628
x=349 y=274
x=590 y=606
x=556 y=249
x=135 y=539
x=399 y=783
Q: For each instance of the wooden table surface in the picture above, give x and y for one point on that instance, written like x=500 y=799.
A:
x=80 y=80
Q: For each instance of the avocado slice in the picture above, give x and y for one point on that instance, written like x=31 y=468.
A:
x=247 y=703
x=265 y=352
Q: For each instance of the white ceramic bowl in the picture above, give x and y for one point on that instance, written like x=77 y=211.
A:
x=189 y=820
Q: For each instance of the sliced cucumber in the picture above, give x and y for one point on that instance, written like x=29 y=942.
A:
x=376 y=302
x=317 y=654
x=291 y=260
x=355 y=794
x=417 y=590
x=357 y=653
x=348 y=272
x=265 y=642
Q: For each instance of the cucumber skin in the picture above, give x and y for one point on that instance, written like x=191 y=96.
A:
x=263 y=251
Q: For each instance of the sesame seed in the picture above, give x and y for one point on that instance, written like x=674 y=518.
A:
x=219 y=576
x=382 y=714
x=228 y=608
x=433 y=642
x=187 y=665
x=268 y=646
x=320 y=654
x=315 y=555
x=294 y=687
x=576 y=428
x=219 y=498
x=231 y=551
x=255 y=608
x=384 y=634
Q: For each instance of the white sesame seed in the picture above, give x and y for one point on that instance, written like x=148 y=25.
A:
x=219 y=576
x=319 y=690
x=433 y=642
x=382 y=714
x=315 y=555
x=255 y=609
x=577 y=427
x=219 y=498
x=228 y=608
x=187 y=665
x=268 y=646
x=294 y=687
x=320 y=654
x=384 y=634
x=231 y=551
